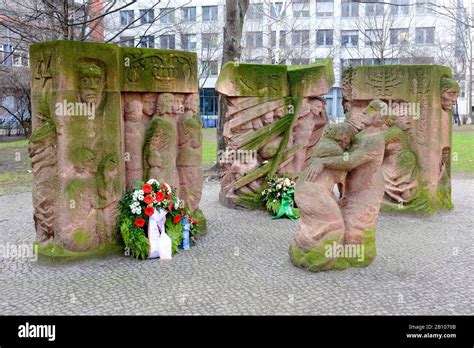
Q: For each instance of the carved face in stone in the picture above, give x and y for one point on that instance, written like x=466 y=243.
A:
x=268 y=118
x=448 y=99
x=449 y=93
x=316 y=106
x=149 y=103
x=374 y=114
x=343 y=133
x=280 y=112
x=165 y=103
x=178 y=104
x=133 y=111
x=191 y=103
x=91 y=84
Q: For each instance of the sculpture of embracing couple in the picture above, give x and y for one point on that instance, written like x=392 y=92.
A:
x=346 y=224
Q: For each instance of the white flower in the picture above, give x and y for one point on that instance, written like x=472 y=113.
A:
x=278 y=194
x=153 y=181
x=138 y=195
x=168 y=188
x=278 y=186
x=178 y=202
x=287 y=182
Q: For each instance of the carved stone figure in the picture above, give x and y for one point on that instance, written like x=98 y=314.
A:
x=264 y=118
x=420 y=98
x=189 y=160
x=359 y=205
x=134 y=136
x=86 y=119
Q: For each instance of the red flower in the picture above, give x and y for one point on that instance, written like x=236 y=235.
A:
x=170 y=207
x=159 y=196
x=147 y=188
x=177 y=219
x=163 y=186
x=168 y=196
x=149 y=211
x=148 y=199
x=139 y=222
x=195 y=222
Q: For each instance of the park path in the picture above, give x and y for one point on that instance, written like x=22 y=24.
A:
x=424 y=266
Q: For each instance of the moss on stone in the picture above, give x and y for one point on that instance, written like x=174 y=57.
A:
x=81 y=237
x=315 y=259
x=55 y=253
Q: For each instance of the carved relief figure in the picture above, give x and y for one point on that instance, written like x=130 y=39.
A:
x=321 y=217
x=400 y=162
x=149 y=105
x=134 y=136
x=360 y=202
x=308 y=127
x=189 y=160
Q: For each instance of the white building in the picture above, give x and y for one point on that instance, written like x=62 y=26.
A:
x=301 y=32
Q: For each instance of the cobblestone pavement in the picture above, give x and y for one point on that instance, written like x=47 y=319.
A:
x=424 y=266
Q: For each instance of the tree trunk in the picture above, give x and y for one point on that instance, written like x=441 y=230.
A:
x=235 y=13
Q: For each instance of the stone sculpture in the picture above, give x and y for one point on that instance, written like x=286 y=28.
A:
x=103 y=118
x=274 y=118
x=329 y=224
x=418 y=134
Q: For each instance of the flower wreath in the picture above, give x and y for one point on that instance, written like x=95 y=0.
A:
x=136 y=207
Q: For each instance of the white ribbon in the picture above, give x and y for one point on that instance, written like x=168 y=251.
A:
x=160 y=242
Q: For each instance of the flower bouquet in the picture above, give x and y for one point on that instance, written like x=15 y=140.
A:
x=278 y=197
x=153 y=221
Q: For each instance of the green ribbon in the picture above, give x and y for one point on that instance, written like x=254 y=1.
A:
x=286 y=208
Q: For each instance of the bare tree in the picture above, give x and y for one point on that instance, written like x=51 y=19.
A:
x=235 y=14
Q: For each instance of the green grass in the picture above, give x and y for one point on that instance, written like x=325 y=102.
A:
x=463 y=151
x=209 y=147
x=16 y=143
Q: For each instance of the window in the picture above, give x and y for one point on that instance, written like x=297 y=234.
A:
x=373 y=37
x=349 y=38
x=254 y=39
x=16 y=59
x=300 y=8
x=282 y=38
x=400 y=7
x=189 y=42
x=300 y=61
x=167 y=15
x=254 y=12
x=424 y=36
x=398 y=36
x=300 y=38
x=189 y=14
x=277 y=10
x=424 y=7
x=373 y=9
x=25 y=61
x=127 y=41
x=147 y=41
x=351 y=62
x=350 y=9
x=126 y=17
x=147 y=16
x=209 y=13
x=324 y=8
x=324 y=37
x=167 y=42
x=208 y=101
x=209 y=41
x=210 y=68
x=371 y=61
